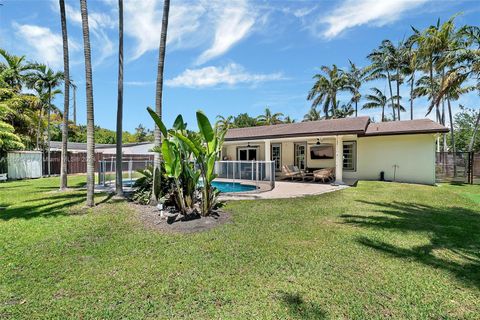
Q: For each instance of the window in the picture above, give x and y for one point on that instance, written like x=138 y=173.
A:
x=247 y=154
x=349 y=155
x=300 y=152
x=277 y=155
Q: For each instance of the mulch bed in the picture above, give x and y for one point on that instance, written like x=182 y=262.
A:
x=150 y=216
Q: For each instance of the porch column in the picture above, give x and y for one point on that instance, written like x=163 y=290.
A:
x=339 y=160
x=268 y=157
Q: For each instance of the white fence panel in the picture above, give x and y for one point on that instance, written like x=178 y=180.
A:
x=24 y=164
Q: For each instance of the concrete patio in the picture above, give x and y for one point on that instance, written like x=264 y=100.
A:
x=284 y=189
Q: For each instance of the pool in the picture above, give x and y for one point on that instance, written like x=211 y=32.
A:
x=232 y=186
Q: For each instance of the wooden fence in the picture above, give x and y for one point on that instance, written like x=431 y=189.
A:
x=77 y=162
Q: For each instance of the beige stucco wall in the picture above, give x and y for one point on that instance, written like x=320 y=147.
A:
x=230 y=150
x=413 y=154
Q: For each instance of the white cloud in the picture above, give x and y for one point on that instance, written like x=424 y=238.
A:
x=233 y=23
x=143 y=21
x=138 y=83
x=211 y=76
x=353 y=13
x=99 y=23
x=47 y=46
x=216 y=24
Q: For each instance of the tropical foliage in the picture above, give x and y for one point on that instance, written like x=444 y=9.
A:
x=189 y=159
x=438 y=63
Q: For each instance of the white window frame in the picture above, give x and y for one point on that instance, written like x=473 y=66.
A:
x=354 y=156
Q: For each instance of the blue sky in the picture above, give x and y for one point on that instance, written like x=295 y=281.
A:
x=224 y=57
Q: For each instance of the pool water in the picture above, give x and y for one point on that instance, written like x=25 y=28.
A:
x=232 y=187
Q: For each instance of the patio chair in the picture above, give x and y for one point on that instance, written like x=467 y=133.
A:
x=324 y=175
x=3 y=177
x=290 y=172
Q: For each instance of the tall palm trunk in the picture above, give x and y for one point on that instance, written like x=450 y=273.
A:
x=75 y=105
x=118 y=154
x=356 y=109
x=398 y=99
x=48 y=127
x=89 y=96
x=452 y=136
x=159 y=92
x=412 y=83
x=66 y=99
x=475 y=130
x=389 y=79
x=39 y=127
x=383 y=113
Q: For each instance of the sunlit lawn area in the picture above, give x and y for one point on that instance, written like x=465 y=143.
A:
x=376 y=251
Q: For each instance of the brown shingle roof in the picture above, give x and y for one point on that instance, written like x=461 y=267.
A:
x=360 y=126
x=404 y=127
x=311 y=128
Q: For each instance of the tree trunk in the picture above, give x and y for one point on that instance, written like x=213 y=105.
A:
x=391 y=94
x=475 y=130
x=118 y=154
x=356 y=108
x=89 y=99
x=39 y=127
x=159 y=88
x=411 y=95
x=48 y=128
x=66 y=99
x=383 y=113
x=75 y=105
x=452 y=135
x=398 y=95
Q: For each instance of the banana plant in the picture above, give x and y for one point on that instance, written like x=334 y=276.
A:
x=206 y=153
x=180 y=146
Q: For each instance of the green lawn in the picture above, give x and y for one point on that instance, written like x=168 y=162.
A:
x=380 y=250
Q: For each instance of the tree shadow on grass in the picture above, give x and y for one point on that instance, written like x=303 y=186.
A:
x=449 y=228
x=299 y=309
x=55 y=206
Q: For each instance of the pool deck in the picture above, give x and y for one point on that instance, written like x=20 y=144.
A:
x=284 y=190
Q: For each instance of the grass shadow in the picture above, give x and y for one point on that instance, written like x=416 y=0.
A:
x=34 y=208
x=299 y=308
x=448 y=228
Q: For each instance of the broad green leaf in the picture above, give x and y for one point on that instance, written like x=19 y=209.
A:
x=158 y=121
x=178 y=124
x=195 y=150
x=205 y=127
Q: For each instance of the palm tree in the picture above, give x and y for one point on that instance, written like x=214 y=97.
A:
x=312 y=115
x=15 y=70
x=90 y=118
x=381 y=67
x=118 y=153
x=344 y=110
x=287 y=119
x=326 y=87
x=224 y=122
x=159 y=90
x=376 y=100
x=49 y=80
x=66 y=99
x=356 y=76
x=74 y=87
x=410 y=57
x=244 y=120
x=269 y=118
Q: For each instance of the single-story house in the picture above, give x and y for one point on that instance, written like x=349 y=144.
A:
x=357 y=148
